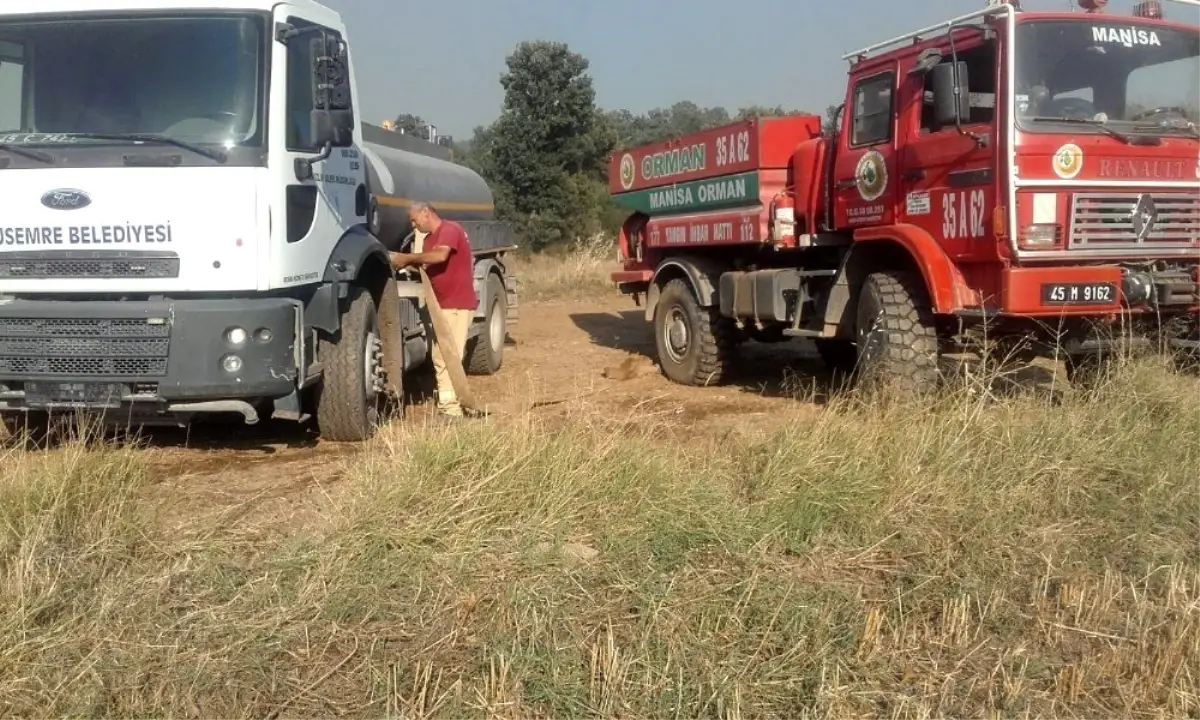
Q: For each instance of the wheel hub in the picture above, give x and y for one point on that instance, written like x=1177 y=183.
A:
x=374 y=376
x=872 y=340
x=496 y=326
x=676 y=334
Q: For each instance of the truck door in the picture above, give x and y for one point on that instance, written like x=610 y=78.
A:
x=947 y=178
x=318 y=209
x=864 y=171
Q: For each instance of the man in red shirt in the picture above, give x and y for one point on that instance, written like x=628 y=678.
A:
x=446 y=255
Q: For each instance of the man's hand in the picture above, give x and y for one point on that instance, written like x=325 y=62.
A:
x=401 y=260
x=436 y=256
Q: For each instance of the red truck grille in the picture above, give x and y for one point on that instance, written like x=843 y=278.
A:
x=1135 y=221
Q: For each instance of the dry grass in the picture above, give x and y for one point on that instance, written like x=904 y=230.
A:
x=581 y=270
x=1031 y=556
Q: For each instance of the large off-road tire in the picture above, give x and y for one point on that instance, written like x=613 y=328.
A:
x=350 y=395
x=837 y=354
x=486 y=352
x=895 y=332
x=694 y=343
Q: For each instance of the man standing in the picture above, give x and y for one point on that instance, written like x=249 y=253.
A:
x=446 y=257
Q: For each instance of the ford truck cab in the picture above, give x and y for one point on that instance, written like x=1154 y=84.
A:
x=187 y=226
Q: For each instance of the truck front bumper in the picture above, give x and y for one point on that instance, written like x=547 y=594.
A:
x=1099 y=290
x=161 y=356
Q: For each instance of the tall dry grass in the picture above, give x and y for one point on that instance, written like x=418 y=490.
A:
x=583 y=269
x=962 y=556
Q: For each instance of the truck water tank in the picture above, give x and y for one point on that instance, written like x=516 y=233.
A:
x=402 y=168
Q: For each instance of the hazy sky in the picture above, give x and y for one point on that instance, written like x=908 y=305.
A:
x=442 y=59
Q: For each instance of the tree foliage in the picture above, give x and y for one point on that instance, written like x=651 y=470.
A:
x=546 y=155
x=409 y=124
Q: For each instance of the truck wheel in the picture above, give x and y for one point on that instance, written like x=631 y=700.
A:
x=693 y=343
x=895 y=333
x=838 y=355
x=348 y=401
x=487 y=350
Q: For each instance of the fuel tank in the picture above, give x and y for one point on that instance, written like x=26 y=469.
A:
x=404 y=168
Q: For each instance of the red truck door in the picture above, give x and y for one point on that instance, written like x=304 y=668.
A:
x=865 y=182
x=947 y=177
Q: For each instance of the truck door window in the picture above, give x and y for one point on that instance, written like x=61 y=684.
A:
x=981 y=75
x=300 y=87
x=12 y=86
x=872 y=112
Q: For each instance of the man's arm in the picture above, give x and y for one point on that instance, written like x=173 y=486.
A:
x=433 y=256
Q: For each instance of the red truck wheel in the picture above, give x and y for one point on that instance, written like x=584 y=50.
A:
x=693 y=342
x=895 y=333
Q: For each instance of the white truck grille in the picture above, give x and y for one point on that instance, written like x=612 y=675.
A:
x=1145 y=221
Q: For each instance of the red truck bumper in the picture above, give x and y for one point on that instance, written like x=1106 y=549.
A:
x=1095 y=290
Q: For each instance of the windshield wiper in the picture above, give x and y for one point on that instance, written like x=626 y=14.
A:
x=213 y=153
x=1187 y=128
x=38 y=155
x=1104 y=127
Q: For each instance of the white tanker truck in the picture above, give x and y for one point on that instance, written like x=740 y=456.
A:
x=195 y=221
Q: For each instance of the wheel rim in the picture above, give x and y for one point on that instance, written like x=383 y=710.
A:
x=373 y=380
x=496 y=326
x=871 y=340
x=676 y=335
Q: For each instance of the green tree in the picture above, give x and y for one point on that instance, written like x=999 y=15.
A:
x=763 y=111
x=410 y=124
x=682 y=118
x=832 y=115
x=546 y=154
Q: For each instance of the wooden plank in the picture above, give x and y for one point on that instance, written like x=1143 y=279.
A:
x=454 y=364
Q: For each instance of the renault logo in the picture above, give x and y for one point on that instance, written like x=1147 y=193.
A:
x=66 y=199
x=1145 y=214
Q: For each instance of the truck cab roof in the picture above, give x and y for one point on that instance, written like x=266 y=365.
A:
x=53 y=7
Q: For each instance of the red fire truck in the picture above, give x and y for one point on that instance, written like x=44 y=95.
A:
x=1010 y=179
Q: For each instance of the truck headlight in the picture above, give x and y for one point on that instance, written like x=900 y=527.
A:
x=235 y=336
x=1040 y=236
x=231 y=364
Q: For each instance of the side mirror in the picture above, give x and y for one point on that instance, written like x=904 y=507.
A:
x=334 y=128
x=332 y=116
x=951 y=98
x=330 y=76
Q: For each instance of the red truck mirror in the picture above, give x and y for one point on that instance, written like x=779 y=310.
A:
x=951 y=98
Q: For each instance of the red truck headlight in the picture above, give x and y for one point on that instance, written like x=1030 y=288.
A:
x=1040 y=236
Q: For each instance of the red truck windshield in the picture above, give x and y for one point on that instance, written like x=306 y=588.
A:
x=1117 y=70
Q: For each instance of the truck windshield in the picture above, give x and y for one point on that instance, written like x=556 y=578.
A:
x=191 y=79
x=1118 y=71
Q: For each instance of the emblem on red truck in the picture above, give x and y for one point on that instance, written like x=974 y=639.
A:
x=1068 y=161
x=627 y=171
x=871 y=175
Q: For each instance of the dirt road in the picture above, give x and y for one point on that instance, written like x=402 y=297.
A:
x=567 y=357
